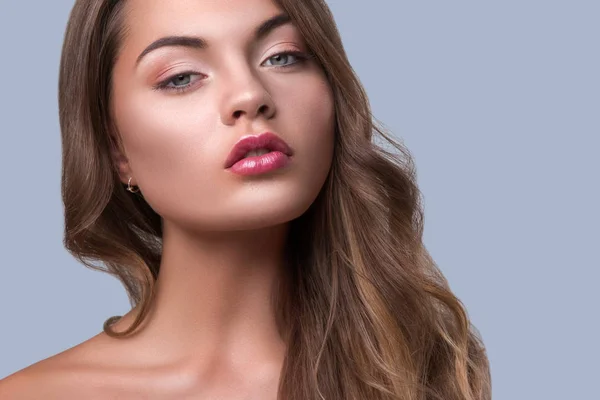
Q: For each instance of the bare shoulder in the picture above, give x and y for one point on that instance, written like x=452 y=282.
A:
x=19 y=385
x=98 y=369
x=71 y=374
x=40 y=380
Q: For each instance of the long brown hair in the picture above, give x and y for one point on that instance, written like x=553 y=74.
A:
x=366 y=313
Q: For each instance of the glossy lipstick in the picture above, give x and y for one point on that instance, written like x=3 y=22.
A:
x=278 y=155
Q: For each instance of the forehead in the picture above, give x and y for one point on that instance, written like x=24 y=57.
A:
x=211 y=19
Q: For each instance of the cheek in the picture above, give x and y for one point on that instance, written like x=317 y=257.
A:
x=165 y=144
x=313 y=116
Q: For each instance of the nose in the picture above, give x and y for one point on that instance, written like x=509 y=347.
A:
x=246 y=96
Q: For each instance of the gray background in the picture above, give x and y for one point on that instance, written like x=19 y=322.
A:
x=499 y=103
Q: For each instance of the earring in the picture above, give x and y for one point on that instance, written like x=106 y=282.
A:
x=130 y=188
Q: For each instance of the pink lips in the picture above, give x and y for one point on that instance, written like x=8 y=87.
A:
x=277 y=158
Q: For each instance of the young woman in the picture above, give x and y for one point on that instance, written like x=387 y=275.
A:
x=219 y=158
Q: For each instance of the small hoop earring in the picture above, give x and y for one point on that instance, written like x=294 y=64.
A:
x=130 y=188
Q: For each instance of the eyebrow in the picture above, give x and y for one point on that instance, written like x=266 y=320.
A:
x=199 y=43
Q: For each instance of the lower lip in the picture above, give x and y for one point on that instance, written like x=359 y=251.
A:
x=260 y=164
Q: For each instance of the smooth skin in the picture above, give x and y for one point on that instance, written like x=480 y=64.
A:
x=212 y=332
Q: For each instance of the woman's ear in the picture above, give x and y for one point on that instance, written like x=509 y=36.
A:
x=119 y=159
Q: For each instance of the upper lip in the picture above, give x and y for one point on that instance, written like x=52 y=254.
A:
x=267 y=140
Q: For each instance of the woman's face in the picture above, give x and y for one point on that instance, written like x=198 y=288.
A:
x=180 y=109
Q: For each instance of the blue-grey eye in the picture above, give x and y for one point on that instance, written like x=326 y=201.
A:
x=182 y=79
x=280 y=57
x=283 y=59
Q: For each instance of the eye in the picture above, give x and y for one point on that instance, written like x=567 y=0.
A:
x=181 y=79
x=181 y=82
x=282 y=60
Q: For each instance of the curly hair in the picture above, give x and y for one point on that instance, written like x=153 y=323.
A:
x=365 y=311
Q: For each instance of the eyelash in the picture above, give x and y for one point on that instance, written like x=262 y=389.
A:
x=302 y=57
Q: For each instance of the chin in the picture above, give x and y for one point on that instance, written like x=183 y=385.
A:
x=252 y=207
x=259 y=211
x=242 y=205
